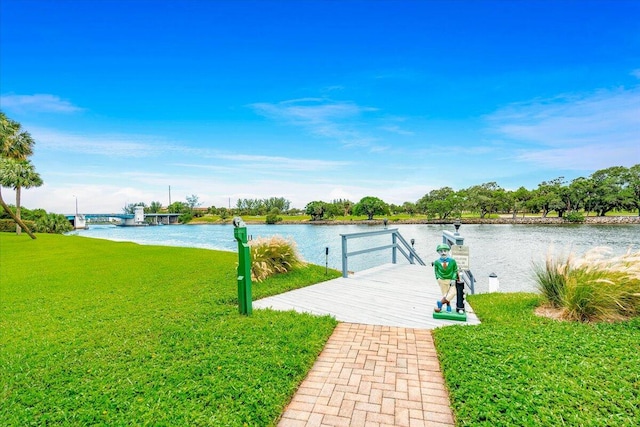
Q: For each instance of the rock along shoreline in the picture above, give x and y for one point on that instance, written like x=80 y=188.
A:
x=595 y=220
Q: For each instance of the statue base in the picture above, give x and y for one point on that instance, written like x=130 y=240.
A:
x=450 y=315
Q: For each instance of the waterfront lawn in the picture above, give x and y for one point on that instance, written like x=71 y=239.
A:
x=94 y=332
x=518 y=369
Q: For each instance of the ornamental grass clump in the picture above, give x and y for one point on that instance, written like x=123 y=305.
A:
x=551 y=279
x=273 y=255
x=596 y=287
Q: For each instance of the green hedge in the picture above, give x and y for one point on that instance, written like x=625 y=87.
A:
x=9 y=225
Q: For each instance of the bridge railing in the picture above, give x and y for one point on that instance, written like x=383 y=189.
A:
x=398 y=244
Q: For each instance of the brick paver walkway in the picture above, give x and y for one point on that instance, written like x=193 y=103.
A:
x=373 y=376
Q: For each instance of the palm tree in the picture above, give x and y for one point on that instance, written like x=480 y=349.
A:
x=16 y=145
x=14 y=142
x=53 y=223
x=18 y=174
x=154 y=207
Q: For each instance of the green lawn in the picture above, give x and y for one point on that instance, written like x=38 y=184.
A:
x=94 y=332
x=518 y=369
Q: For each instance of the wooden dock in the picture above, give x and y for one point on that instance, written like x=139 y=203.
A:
x=401 y=295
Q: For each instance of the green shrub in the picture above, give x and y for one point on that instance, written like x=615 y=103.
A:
x=551 y=280
x=9 y=225
x=53 y=223
x=273 y=255
x=185 y=218
x=574 y=217
x=588 y=296
x=272 y=217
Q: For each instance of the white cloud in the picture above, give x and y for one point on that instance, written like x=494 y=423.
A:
x=38 y=103
x=397 y=130
x=340 y=193
x=106 y=186
x=293 y=164
x=338 y=120
x=309 y=111
x=592 y=131
x=115 y=145
x=587 y=157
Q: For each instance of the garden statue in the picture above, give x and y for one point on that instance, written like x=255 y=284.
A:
x=446 y=271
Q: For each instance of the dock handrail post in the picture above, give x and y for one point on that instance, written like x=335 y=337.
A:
x=460 y=296
x=344 y=257
x=394 y=251
x=411 y=261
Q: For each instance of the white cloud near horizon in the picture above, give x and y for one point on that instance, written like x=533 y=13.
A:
x=295 y=164
x=397 y=130
x=139 y=146
x=587 y=132
x=337 y=120
x=111 y=145
x=115 y=145
x=38 y=103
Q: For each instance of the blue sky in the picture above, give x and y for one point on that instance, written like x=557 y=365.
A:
x=315 y=100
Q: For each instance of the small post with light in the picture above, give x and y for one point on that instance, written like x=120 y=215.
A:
x=326 y=260
x=413 y=242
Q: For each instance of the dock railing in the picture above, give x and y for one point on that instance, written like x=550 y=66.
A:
x=398 y=243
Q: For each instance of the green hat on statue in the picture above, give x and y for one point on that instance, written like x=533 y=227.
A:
x=442 y=247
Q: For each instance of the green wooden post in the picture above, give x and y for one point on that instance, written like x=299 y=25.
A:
x=244 y=267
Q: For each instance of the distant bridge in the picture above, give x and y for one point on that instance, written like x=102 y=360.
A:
x=139 y=218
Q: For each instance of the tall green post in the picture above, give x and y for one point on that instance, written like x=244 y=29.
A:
x=244 y=266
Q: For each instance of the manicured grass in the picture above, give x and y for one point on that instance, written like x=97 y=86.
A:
x=94 y=332
x=518 y=369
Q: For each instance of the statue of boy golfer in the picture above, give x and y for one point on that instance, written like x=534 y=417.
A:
x=446 y=270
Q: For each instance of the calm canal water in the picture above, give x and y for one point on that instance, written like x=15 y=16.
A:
x=506 y=250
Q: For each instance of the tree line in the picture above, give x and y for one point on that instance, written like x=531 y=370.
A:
x=606 y=190
x=616 y=188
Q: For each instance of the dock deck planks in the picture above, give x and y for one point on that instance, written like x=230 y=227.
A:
x=401 y=295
